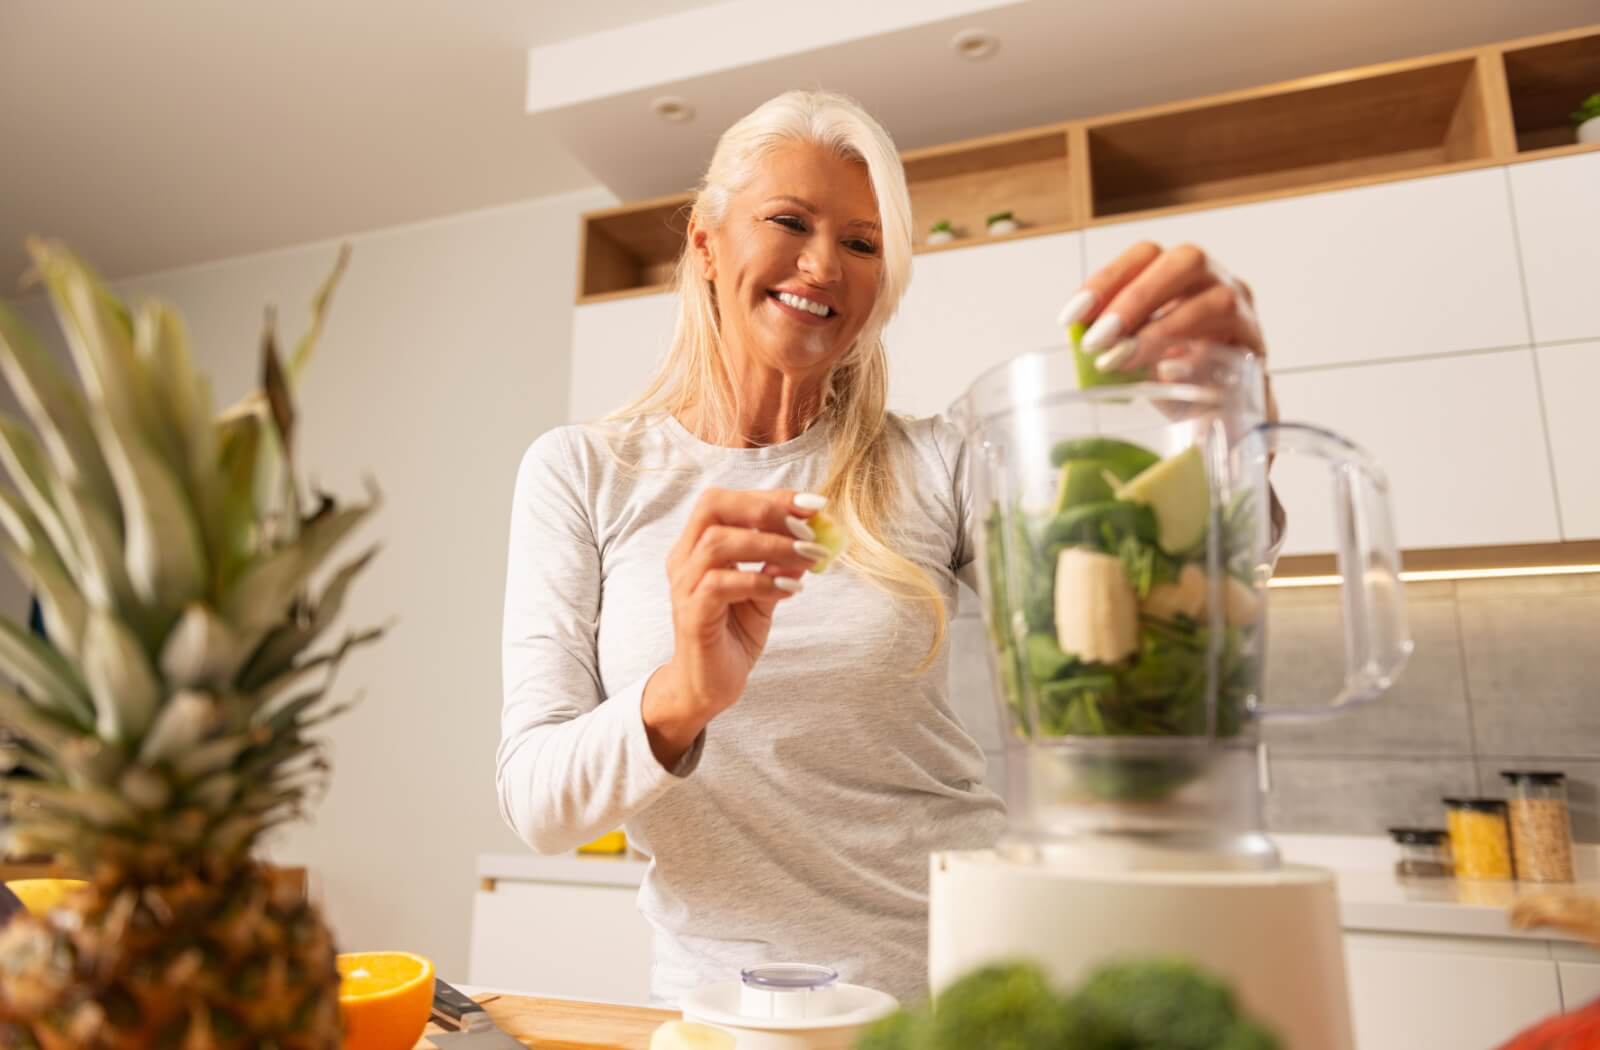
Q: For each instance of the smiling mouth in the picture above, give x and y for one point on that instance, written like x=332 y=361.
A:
x=802 y=308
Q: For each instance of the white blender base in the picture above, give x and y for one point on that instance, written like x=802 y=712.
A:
x=1274 y=935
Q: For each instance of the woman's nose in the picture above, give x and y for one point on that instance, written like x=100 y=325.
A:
x=820 y=263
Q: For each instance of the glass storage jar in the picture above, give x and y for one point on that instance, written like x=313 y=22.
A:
x=1479 y=839
x=1541 y=827
x=1424 y=853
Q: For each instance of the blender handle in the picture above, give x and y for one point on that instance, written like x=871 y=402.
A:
x=1377 y=639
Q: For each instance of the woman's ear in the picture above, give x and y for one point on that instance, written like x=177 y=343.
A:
x=700 y=243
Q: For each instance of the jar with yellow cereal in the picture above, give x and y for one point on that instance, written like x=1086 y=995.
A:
x=1479 y=838
x=1541 y=827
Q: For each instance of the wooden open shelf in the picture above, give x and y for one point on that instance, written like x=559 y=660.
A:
x=1025 y=173
x=1353 y=127
x=1546 y=82
x=1500 y=104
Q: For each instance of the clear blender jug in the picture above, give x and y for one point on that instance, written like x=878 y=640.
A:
x=1124 y=550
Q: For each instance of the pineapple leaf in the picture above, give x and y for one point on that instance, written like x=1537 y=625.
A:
x=102 y=577
x=260 y=599
x=38 y=669
x=47 y=732
x=278 y=651
x=164 y=553
x=232 y=515
x=186 y=719
x=57 y=409
x=121 y=681
x=65 y=611
x=25 y=462
x=201 y=650
x=319 y=312
x=95 y=805
x=161 y=341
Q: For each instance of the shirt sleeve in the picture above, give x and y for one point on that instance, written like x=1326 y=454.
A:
x=572 y=763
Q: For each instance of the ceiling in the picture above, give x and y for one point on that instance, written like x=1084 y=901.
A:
x=162 y=133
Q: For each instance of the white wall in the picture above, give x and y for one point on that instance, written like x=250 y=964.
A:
x=446 y=352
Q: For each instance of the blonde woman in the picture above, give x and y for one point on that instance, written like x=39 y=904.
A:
x=782 y=745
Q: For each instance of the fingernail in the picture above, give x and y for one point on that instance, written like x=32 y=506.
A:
x=1116 y=357
x=1175 y=371
x=750 y=566
x=810 y=501
x=788 y=583
x=1079 y=305
x=814 y=551
x=799 y=529
x=1103 y=332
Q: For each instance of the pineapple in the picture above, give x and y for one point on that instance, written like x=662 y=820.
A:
x=166 y=723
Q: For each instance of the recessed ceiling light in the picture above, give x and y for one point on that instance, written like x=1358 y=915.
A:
x=974 y=44
x=672 y=108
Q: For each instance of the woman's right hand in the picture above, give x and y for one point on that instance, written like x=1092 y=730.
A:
x=721 y=614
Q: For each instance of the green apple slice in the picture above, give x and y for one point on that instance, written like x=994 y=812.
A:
x=830 y=536
x=1177 y=491
x=1088 y=374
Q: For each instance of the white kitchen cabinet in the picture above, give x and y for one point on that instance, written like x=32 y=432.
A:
x=1465 y=993
x=1579 y=968
x=616 y=347
x=1427 y=266
x=562 y=939
x=1570 y=376
x=1558 y=225
x=970 y=309
x=1460 y=439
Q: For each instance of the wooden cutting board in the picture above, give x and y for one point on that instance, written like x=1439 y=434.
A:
x=561 y=1024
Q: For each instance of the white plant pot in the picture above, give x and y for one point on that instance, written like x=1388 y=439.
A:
x=1004 y=226
x=1589 y=130
x=941 y=237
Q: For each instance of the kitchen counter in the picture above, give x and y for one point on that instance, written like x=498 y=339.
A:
x=567 y=1024
x=1371 y=898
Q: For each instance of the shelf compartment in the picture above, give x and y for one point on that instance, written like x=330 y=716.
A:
x=633 y=247
x=1358 y=125
x=1025 y=173
x=1547 y=82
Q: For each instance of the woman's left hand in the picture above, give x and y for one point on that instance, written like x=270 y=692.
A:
x=1149 y=306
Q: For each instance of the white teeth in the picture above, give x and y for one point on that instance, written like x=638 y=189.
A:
x=803 y=304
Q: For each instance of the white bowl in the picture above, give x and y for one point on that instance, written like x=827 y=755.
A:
x=855 y=1007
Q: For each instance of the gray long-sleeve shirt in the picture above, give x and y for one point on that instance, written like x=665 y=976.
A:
x=798 y=828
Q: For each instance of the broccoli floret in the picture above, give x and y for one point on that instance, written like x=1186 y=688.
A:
x=901 y=1030
x=1168 y=1004
x=1006 y=1006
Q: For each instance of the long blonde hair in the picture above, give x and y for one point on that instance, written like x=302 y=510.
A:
x=861 y=483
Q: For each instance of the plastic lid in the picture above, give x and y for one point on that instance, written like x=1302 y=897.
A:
x=1419 y=836
x=789 y=977
x=1479 y=805
x=1529 y=776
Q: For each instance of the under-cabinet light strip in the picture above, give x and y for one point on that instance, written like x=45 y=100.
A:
x=1423 y=575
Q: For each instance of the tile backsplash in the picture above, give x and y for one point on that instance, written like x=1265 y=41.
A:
x=1506 y=675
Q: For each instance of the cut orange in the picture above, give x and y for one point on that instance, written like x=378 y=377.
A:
x=385 y=998
x=42 y=896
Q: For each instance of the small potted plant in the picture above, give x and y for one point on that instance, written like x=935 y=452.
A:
x=1001 y=223
x=1587 y=118
x=942 y=232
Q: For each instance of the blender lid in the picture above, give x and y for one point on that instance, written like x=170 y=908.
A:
x=1529 y=776
x=788 y=977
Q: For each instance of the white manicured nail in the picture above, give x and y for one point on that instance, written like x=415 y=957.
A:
x=749 y=566
x=814 y=551
x=788 y=583
x=799 y=529
x=1103 y=332
x=1117 y=356
x=1076 y=307
x=810 y=501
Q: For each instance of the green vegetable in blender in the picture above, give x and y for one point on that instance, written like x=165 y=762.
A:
x=1113 y=638
x=1141 y=1004
x=1083 y=481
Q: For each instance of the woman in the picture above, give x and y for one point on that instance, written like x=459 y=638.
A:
x=781 y=745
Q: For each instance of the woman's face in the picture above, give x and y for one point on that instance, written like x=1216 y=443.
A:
x=796 y=261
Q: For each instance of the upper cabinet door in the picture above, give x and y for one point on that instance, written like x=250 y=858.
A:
x=1570 y=375
x=1459 y=439
x=1403 y=269
x=1558 y=221
x=616 y=348
x=970 y=309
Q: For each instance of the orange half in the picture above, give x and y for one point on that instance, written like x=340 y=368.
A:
x=385 y=998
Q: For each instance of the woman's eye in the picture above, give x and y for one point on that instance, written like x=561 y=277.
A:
x=792 y=222
x=864 y=247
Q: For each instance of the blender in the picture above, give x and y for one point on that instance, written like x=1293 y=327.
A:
x=1124 y=547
